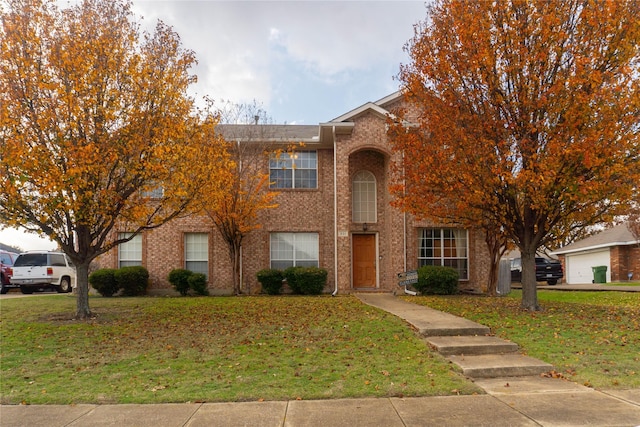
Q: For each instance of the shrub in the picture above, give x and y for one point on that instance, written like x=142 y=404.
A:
x=293 y=280
x=311 y=280
x=179 y=279
x=437 y=280
x=104 y=281
x=271 y=280
x=133 y=280
x=198 y=282
x=306 y=280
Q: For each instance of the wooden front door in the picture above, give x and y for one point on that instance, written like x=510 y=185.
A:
x=364 y=261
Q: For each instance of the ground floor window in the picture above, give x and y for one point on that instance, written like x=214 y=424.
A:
x=294 y=250
x=196 y=253
x=444 y=246
x=130 y=253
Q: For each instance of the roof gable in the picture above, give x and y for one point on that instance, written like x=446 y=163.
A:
x=619 y=235
x=363 y=109
x=378 y=108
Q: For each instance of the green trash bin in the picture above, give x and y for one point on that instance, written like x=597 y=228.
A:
x=600 y=274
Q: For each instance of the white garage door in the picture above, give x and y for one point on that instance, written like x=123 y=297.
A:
x=579 y=266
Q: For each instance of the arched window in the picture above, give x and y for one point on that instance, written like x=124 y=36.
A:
x=364 y=197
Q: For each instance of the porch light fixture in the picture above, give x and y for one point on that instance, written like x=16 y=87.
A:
x=365 y=227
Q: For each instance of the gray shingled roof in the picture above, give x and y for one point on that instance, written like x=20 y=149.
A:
x=8 y=248
x=269 y=132
x=619 y=235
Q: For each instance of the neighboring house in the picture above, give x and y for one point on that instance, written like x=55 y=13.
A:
x=615 y=248
x=333 y=212
x=8 y=248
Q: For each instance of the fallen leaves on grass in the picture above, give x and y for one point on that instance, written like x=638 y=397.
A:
x=582 y=334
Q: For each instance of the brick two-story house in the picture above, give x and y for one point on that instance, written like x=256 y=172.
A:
x=333 y=211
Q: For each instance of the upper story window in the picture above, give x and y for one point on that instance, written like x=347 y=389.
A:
x=130 y=253
x=294 y=170
x=364 y=197
x=153 y=191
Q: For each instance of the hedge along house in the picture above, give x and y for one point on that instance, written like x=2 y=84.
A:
x=333 y=212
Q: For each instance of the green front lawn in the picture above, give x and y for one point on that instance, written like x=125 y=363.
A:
x=148 y=350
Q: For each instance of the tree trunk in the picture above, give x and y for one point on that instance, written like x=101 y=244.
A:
x=529 y=284
x=82 y=291
x=492 y=285
x=497 y=246
x=234 y=252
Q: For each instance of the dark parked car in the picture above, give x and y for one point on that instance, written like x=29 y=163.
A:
x=6 y=262
x=547 y=270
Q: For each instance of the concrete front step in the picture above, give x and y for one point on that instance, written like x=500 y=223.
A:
x=471 y=345
x=500 y=365
x=435 y=330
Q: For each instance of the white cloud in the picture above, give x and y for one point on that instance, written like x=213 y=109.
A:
x=19 y=238
x=286 y=54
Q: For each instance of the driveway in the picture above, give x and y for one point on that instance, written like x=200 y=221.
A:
x=15 y=293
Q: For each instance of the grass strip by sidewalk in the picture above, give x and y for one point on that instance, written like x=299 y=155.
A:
x=149 y=350
x=592 y=338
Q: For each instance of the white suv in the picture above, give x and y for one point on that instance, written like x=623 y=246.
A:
x=42 y=269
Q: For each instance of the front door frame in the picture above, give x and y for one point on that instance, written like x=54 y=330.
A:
x=375 y=261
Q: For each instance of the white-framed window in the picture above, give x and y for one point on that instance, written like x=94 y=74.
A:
x=298 y=169
x=294 y=250
x=196 y=252
x=446 y=247
x=130 y=253
x=153 y=190
x=155 y=193
x=364 y=197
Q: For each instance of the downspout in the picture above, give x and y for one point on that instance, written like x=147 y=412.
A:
x=404 y=219
x=241 y=275
x=335 y=211
x=404 y=230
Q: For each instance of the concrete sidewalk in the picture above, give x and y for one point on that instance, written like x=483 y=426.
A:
x=554 y=403
x=510 y=401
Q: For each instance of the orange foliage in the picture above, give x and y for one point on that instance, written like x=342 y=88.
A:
x=234 y=212
x=93 y=118
x=527 y=117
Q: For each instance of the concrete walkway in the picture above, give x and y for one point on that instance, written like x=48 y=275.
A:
x=510 y=401
x=465 y=343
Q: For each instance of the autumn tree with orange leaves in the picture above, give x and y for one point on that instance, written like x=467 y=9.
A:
x=528 y=118
x=97 y=132
x=234 y=212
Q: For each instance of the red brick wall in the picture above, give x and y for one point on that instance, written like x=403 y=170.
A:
x=312 y=210
x=625 y=259
x=163 y=250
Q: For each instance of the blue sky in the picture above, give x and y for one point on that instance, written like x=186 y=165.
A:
x=304 y=62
